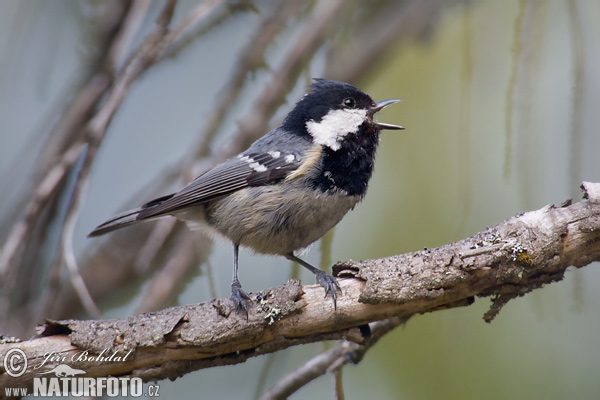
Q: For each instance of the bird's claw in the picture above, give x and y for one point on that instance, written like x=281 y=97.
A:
x=330 y=284
x=239 y=297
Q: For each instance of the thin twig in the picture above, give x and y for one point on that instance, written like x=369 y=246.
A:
x=14 y=246
x=331 y=360
x=121 y=44
x=161 y=231
x=124 y=38
x=398 y=21
x=55 y=162
x=67 y=241
x=65 y=135
x=339 y=384
x=96 y=130
x=251 y=58
x=147 y=54
x=282 y=81
x=312 y=369
x=186 y=251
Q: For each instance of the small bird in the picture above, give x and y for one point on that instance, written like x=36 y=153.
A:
x=289 y=187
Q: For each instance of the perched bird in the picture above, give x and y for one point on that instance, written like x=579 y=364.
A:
x=289 y=187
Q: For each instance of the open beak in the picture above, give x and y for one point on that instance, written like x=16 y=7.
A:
x=380 y=105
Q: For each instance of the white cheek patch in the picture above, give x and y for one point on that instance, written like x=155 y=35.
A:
x=334 y=126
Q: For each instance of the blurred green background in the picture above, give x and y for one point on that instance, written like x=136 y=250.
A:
x=500 y=102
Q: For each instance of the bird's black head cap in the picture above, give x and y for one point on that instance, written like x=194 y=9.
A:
x=334 y=112
x=325 y=96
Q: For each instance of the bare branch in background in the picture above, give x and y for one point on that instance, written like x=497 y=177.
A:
x=131 y=26
x=332 y=361
x=121 y=44
x=54 y=162
x=284 y=78
x=90 y=137
x=186 y=251
x=512 y=258
x=250 y=60
x=411 y=20
x=94 y=131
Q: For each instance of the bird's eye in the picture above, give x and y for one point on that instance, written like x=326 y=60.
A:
x=349 y=102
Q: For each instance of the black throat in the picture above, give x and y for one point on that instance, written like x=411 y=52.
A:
x=350 y=167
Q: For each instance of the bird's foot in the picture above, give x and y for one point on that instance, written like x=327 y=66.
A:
x=329 y=283
x=239 y=297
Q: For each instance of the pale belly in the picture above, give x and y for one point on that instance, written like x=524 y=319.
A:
x=271 y=219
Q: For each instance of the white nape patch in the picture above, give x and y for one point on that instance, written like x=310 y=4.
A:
x=253 y=164
x=335 y=126
x=289 y=158
x=274 y=154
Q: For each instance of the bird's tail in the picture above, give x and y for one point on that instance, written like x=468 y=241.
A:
x=127 y=218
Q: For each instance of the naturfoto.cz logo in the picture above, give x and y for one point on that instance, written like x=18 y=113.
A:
x=63 y=385
x=64 y=380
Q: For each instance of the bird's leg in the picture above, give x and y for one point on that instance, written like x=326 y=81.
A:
x=329 y=283
x=238 y=295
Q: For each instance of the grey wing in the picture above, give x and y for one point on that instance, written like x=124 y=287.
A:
x=247 y=169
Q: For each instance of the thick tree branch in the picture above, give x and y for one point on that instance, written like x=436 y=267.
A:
x=506 y=261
